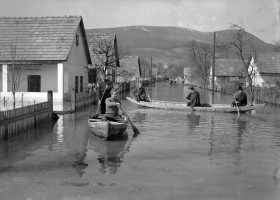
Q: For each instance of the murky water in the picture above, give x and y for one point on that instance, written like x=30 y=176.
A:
x=177 y=156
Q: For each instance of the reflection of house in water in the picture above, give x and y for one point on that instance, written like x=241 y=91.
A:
x=110 y=153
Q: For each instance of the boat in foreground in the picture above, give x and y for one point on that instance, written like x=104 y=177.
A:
x=107 y=129
x=183 y=106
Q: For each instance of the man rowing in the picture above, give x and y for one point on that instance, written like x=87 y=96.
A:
x=193 y=98
x=140 y=93
x=240 y=98
x=112 y=108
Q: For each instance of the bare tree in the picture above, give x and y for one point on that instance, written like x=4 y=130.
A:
x=15 y=71
x=200 y=55
x=107 y=58
x=242 y=43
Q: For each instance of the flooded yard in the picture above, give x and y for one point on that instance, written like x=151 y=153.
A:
x=177 y=155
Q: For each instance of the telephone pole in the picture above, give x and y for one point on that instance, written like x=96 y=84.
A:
x=151 y=74
x=213 y=68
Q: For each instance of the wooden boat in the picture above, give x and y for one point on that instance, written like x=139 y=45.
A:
x=107 y=129
x=183 y=106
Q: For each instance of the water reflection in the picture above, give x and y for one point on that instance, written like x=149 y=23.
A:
x=193 y=120
x=139 y=117
x=110 y=153
x=241 y=128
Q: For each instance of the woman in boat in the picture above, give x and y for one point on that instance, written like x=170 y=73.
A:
x=140 y=93
x=193 y=98
x=112 y=108
x=240 y=98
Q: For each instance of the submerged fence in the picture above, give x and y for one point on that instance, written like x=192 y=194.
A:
x=13 y=122
x=82 y=99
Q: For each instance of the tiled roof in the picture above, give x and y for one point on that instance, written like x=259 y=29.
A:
x=228 y=67
x=38 y=38
x=94 y=39
x=268 y=63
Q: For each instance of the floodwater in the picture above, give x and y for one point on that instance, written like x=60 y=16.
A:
x=177 y=155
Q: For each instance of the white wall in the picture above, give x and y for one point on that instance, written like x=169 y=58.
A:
x=76 y=65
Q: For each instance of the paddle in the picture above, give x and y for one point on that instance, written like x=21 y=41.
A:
x=135 y=130
x=237 y=107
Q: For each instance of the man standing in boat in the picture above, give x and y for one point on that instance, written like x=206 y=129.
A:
x=240 y=98
x=140 y=93
x=104 y=93
x=193 y=98
x=112 y=108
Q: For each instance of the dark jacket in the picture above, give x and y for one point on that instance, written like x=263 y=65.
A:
x=140 y=94
x=242 y=99
x=194 y=98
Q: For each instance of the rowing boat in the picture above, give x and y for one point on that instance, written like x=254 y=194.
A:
x=184 y=107
x=107 y=129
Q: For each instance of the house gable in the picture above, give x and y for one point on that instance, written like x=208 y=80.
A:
x=38 y=39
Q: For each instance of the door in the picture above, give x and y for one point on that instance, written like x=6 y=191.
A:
x=34 y=83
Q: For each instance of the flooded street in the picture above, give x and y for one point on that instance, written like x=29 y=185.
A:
x=177 y=155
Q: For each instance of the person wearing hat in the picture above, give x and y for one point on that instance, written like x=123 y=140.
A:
x=240 y=98
x=193 y=98
x=140 y=93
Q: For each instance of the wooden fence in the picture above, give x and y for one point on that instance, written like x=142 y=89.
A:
x=13 y=122
x=82 y=99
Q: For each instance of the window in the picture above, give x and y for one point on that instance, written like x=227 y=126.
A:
x=77 y=40
x=81 y=83
x=34 y=83
x=76 y=83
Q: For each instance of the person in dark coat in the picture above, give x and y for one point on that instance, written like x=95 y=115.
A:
x=140 y=93
x=240 y=98
x=193 y=98
x=104 y=93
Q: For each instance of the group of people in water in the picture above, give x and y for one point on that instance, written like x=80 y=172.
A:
x=109 y=103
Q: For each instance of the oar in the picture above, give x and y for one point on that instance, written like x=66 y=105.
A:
x=135 y=130
x=237 y=108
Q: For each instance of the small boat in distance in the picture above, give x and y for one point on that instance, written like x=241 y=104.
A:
x=184 y=107
x=107 y=129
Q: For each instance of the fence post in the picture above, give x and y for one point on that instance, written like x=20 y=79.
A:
x=73 y=100
x=50 y=99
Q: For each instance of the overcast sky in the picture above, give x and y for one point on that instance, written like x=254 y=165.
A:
x=259 y=17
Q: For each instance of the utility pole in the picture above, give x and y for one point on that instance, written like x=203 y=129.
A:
x=151 y=74
x=213 y=68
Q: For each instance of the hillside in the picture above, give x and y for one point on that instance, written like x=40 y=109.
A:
x=168 y=44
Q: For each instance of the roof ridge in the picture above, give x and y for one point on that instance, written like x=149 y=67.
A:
x=43 y=17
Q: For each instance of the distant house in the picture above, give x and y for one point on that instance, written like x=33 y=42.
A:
x=267 y=68
x=129 y=69
x=53 y=52
x=104 y=54
x=228 y=71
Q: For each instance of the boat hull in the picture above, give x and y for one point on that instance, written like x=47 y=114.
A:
x=183 y=106
x=107 y=129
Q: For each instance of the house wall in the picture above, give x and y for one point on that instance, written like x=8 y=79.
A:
x=48 y=75
x=76 y=65
x=1 y=88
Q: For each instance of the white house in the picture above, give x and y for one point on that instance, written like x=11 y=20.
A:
x=52 y=53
